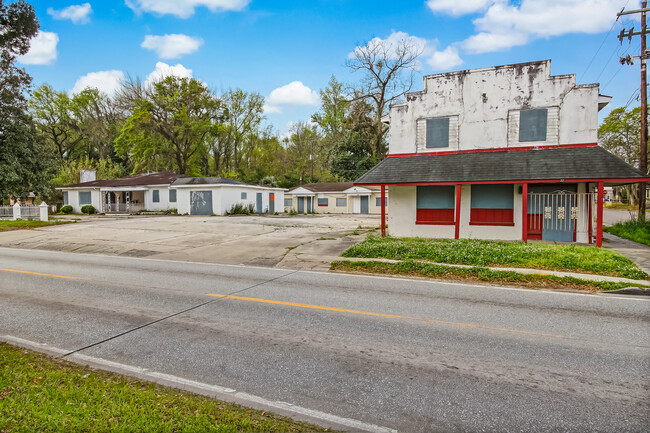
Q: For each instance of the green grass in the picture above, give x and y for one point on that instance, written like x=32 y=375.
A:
x=633 y=230
x=39 y=393
x=26 y=225
x=430 y=270
x=474 y=252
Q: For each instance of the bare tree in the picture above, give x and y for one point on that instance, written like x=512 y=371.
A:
x=388 y=68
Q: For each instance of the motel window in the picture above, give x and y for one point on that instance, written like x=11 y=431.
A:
x=437 y=132
x=341 y=202
x=532 y=124
x=156 y=196
x=244 y=196
x=65 y=197
x=84 y=198
x=323 y=202
x=172 y=196
x=492 y=205
x=378 y=203
x=288 y=202
x=435 y=204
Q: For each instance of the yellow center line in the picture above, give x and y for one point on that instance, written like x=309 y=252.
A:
x=38 y=273
x=389 y=316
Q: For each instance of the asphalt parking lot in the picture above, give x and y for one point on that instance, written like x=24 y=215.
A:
x=292 y=242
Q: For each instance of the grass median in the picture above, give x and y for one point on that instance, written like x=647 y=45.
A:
x=28 y=225
x=412 y=268
x=482 y=253
x=44 y=394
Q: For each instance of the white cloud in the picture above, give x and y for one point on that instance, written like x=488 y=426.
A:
x=512 y=23
x=437 y=60
x=164 y=70
x=294 y=93
x=78 y=14
x=42 y=50
x=445 y=59
x=185 y=8
x=393 y=41
x=171 y=46
x=458 y=7
x=106 y=81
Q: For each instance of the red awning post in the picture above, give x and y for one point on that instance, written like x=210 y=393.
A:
x=458 y=192
x=383 y=211
x=599 y=214
x=524 y=212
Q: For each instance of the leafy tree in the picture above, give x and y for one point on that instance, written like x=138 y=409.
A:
x=170 y=126
x=620 y=133
x=353 y=157
x=331 y=118
x=387 y=69
x=242 y=115
x=24 y=163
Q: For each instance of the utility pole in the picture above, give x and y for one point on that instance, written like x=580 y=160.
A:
x=643 y=152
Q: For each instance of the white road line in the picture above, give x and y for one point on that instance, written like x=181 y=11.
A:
x=223 y=393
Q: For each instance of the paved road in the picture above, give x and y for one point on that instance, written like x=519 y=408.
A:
x=409 y=355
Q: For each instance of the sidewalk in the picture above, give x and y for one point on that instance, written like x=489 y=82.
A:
x=638 y=253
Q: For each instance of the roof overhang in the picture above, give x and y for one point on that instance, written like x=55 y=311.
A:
x=603 y=100
x=549 y=165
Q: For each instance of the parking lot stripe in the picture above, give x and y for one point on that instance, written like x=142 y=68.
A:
x=38 y=273
x=389 y=316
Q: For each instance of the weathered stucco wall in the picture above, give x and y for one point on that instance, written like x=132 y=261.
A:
x=483 y=106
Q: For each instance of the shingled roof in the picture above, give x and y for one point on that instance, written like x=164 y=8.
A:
x=325 y=186
x=158 y=178
x=504 y=165
x=206 y=181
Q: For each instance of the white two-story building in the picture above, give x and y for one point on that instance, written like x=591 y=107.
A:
x=507 y=152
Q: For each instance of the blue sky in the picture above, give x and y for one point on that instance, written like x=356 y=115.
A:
x=287 y=50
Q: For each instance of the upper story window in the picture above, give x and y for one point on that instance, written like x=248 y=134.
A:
x=437 y=134
x=532 y=124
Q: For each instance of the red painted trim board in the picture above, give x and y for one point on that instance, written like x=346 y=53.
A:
x=458 y=192
x=524 y=207
x=599 y=215
x=383 y=210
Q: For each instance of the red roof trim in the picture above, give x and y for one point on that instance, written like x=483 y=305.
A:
x=496 y=149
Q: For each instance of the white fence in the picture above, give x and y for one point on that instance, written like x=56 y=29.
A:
x=26 y=212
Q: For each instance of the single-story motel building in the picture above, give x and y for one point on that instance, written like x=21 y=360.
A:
x=333 y=198
x=162 y=191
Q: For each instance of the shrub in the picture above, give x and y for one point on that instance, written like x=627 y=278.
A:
x=66 y=209
x=241 y=209
x=89 y=209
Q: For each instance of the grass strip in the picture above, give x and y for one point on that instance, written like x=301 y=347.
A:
x=45 y=394
x=412 y=268
x=476 y=252
x=633 y=230
x=28 y=225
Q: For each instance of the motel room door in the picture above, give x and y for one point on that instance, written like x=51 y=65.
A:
x=364 y=204
x=201 y=203
x=259 y=202
x=271 y=202
x=550 y=212
x=301 y=204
